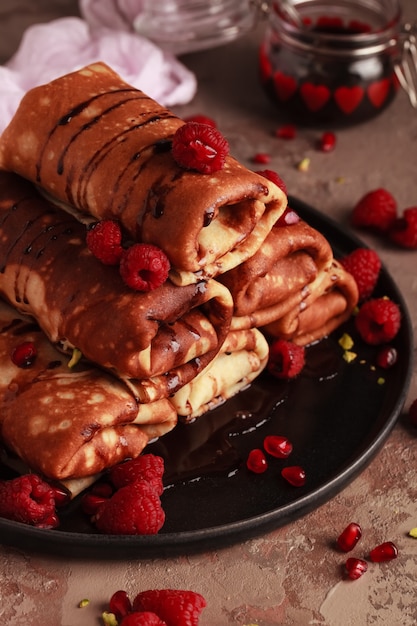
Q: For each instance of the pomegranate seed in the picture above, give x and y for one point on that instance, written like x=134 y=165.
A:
x=120 y=604
x=277 y=446
x=256 y=461
x=52 y=521
x=327 y=142
x=348 y=539
x=24 y=354
x=355 y=568
x=412 y=413
x=387 y=357
x=288 y=131
x=61 y=494
x=105 y=490
x=262 y=157
x=294 y=474
x=384 y=552
x=90 y=503
x=288 y=217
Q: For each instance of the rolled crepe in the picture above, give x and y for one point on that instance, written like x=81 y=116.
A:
x=280 y=277
x=331 y=302
x=103 y=147
x=68 y=423
x=242 y=358
x=163 y=337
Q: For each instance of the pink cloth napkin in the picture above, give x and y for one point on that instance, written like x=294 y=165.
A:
x=105 y=34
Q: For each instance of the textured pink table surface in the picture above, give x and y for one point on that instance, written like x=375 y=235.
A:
x=291 y=576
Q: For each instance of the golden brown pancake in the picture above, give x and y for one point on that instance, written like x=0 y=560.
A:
x=104 y=147
x=68 y=423
x=165 y=336
x=242 y=358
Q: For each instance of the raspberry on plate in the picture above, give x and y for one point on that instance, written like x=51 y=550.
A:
x=199 y=147
x=147 y=467
x=404 y=230
x=30 y=500
x=364 y=265
x=132 y=510
x=376 y=210
x=378 y=321
x=104 y=241
x=174 y=606
x=144 y=267
x=286 y=359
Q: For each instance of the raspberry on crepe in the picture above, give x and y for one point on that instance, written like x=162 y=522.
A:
x=110 y=152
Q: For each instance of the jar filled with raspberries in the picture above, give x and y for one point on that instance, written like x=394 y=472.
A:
x=337 y=62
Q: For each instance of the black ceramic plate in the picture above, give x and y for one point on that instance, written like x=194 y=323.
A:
x=336 y=414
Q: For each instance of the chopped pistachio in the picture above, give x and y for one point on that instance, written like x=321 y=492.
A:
x=304 y=165
x=381 y=381
x=349 y=356
x=346 y=341
x=76 y=356
x=109 y=619
x=413 y=533
x=83 y=603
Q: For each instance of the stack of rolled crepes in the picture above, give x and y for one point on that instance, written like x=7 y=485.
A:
x=88 y=147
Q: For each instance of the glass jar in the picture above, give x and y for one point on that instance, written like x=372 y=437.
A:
x=181 y=26
x=334 y=65
x=321 y=61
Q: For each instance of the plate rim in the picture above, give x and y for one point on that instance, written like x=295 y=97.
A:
x=55 y=542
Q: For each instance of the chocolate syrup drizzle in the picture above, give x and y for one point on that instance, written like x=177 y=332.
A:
x=138 y=162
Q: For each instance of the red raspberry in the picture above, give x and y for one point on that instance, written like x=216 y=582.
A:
x=201 y=119
x=364 y=265
x=133 y=510
x=199 y=147
x=404 y=230
x=174 y=606
x=142 y=618
x=286 y=359
x=30 y=500
x=147 y=467
x=24 y=354
x=378 y=321
x=144 y=267
x=376 y=210
x=104 y=241
x=274 y=178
